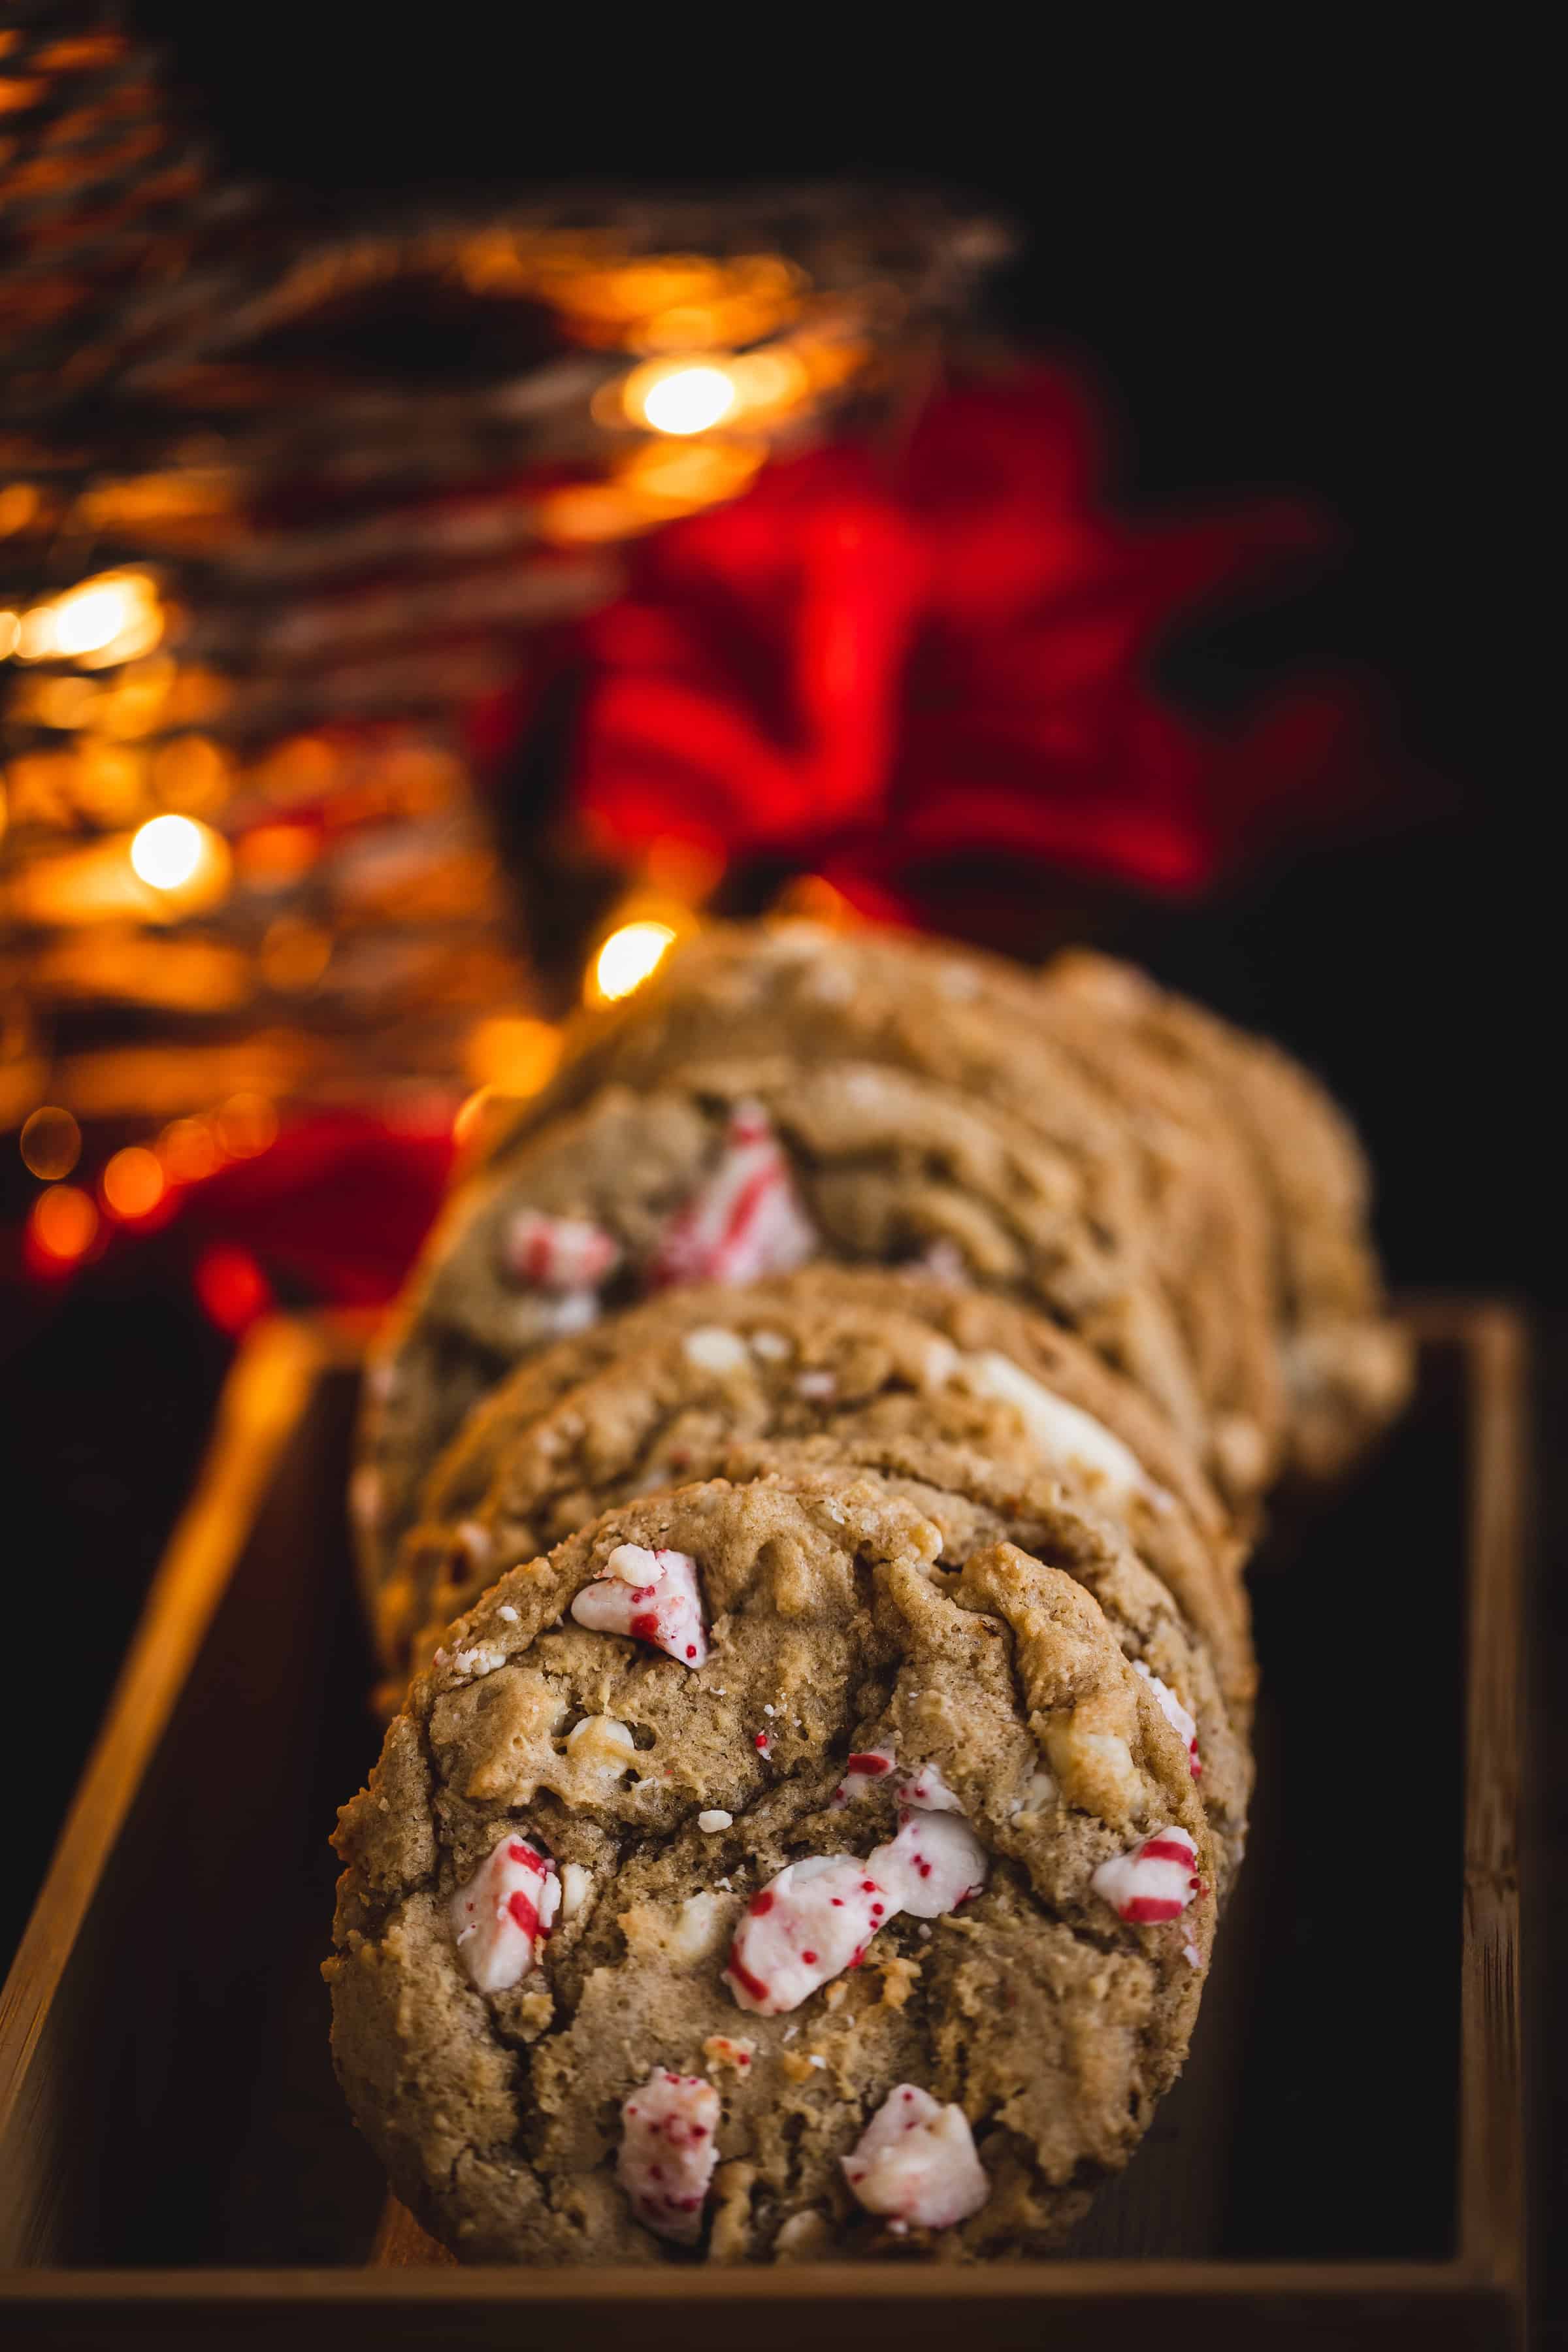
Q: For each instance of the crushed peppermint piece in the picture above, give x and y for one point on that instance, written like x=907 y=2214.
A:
x=762 y=1744
x=934 y=1863
x=668 y=2149
x=815 y=2058
x=1191 y=1954
x=926 y=1792
x=766 y=1708
x=744 y=1219
x=715 y=1818
x=654 y=1596
x=772 y=1346
x=504 y=1913
x=864 y=1768
x=804 y=1928
x=1155 y=1880
x=915 y=2162
x=507 y=1613
x=575 y=1883
x=559 y=1254
x=1175 y=1715
x=712 y=1349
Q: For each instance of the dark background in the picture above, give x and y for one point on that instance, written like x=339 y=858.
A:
x=1286 y=270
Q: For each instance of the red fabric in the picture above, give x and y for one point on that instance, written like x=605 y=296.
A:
x=876 y=667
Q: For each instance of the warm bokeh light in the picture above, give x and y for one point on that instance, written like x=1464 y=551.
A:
x=231 y=1286
x=134 y=1182
x=64 y=1223
x=470 y=1113
x=10 y=633
x=167 y=851
x=685 y=396
x=628 y=957
x=183 y=860
x=188 y=1150
x=51 y=1143
x=513 y=1054
x=247 y=1124
x=114 y=618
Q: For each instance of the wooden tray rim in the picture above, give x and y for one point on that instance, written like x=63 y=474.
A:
x=270 y=1386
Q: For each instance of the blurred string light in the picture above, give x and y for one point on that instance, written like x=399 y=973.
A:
x=116 y=617
x=132 y=1184
x=63 y=1225
x=689 y=396
x=628 y=957
x=50 y=1143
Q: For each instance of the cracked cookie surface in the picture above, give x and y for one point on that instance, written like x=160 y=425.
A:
x=727 y=1172
x=867 y=1358
x=1050 y=2003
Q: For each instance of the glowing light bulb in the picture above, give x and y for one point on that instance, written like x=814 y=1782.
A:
x=50 y=1143
x=64 y=1223
x=167 y=852
x=686 y=399
x=134 y=1183
x=628 y=957
x=111 y=619
x=247 y=1124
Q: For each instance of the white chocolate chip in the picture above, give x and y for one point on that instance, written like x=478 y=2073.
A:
x=772 y=1346
x=714 y=1820
x=712 y=1349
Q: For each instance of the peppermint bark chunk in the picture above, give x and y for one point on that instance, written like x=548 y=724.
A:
x=1155 y=1880
x=668 y=2149
x=558 y=1253
x=504 y=1913
x=915 y=2162
x=652 y=1596
x=807 y=1927
x=744 y=1219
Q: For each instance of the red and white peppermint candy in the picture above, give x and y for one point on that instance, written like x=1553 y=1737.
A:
x=933 y=1865
x=653 y=1596
x=807 y=1927
x=1175 y=1715
x=558 y=1253
x=744 y=1219
x=668 y=2149
x=915 y=2161
x=1155 y=1880
x=927 y=1792
x=866 y=1768
x=504 y=1913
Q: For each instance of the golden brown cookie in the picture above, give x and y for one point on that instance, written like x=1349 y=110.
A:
x=834 y=1351
x=745 y=1882
x=729 y=1172
x=1347 y=1366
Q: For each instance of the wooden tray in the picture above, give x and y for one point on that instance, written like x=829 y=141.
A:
x=1342 y=2162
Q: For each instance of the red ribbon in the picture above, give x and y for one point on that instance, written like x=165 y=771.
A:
x=888 y=668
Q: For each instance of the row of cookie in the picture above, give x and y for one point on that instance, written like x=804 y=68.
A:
x=1179 y=1197
x=923 y=1730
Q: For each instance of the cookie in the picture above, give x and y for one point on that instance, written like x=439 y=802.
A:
x=1347 y=1366
x=729 y=1172
x=840 y=1903
x=831 y=1351
x=1159 y=1157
